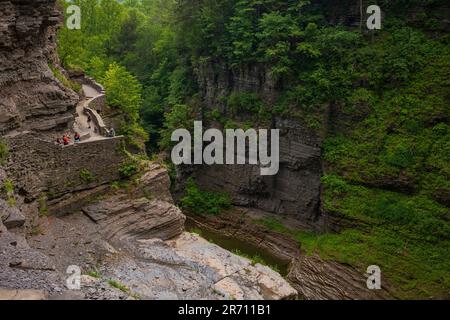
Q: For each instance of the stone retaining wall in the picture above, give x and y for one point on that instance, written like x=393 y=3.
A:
x=98 y=103
x=36 y=166
x=81 y=78
x=98 y=120
x=94 y=84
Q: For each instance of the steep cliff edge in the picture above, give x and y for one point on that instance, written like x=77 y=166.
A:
x=31 y=98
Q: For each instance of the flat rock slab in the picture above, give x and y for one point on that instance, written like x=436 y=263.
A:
x=6 y=294
x=190 y=267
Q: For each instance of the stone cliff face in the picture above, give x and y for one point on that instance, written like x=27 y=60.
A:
x=30 y=96
x=35 y=107
x=295 y=190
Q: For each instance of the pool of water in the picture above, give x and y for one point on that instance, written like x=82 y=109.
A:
x=233 y=245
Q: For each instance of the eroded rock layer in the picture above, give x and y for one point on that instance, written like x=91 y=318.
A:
x=30 y=95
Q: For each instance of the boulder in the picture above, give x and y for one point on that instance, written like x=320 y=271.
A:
x=30 y=95
x=156 y=184
x=10 y=216
x=124 y=218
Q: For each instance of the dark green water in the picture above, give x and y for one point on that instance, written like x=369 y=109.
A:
x=232 y=244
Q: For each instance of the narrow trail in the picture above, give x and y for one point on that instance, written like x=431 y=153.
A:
x=88 y=131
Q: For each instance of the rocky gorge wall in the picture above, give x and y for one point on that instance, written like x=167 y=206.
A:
x=296 y=189
x=31 y=98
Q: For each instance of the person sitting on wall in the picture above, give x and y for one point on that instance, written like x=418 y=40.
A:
x=112 y=133
x=66 y=140
x=59 y=141
x=77 y=137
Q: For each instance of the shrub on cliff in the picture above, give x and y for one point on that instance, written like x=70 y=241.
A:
x=128 y=170
x=202 y=202
x=8 y=188
x=4 y=152
x=62 y=78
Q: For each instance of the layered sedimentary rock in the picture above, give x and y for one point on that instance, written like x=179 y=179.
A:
x=124 y=218
x=317 y=279
x=30 y=96
x=295 y=190
x=155 y=184
x=160 y=261
x=313 y=277
x=189 y=267
x=137 y=242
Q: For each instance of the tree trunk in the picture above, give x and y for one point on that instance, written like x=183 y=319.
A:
x=360 y=14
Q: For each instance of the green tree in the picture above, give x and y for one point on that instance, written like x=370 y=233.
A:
x=123 y=91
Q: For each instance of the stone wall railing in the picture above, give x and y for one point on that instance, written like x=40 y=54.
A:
x=36 y=166
x=94 y=84
x=98 y=120
x=81 y=78
x=98 y=103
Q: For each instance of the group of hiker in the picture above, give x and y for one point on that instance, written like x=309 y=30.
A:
x=66 y=139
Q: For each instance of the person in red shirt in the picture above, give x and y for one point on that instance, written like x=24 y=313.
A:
x=66 y=140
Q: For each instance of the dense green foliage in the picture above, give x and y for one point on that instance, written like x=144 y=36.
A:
x=107 y=30
x=8 y=189
x=128 y=170
x=202 y=202
x=387 y=149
